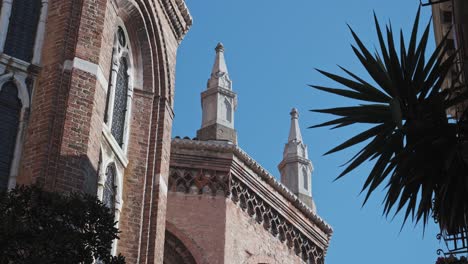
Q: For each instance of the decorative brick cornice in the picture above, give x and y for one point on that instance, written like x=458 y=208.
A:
x=178 y=15
x=227 y=147
x=199 y=181
x=278 y=225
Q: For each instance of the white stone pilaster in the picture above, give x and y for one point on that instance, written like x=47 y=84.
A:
x=40 y=33
x=4 y=22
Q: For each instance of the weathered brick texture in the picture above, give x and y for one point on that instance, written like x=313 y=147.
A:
x=65 y=133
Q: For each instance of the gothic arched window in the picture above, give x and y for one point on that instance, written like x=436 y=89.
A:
x=120 y=102
x=109 y=192
x=10 y=108
x=22 y=29
x=116 y=113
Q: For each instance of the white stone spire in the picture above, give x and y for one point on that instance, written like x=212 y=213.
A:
x=219 y=73
x=296 y=168
x=218 y=103
x=295 y=131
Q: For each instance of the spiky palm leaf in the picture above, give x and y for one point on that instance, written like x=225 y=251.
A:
x=418 y=152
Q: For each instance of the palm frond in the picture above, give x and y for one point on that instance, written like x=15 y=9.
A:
x=418 y=154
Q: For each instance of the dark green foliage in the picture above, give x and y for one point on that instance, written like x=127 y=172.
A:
x=418 y=152
x=452 y=260
x=37 y=226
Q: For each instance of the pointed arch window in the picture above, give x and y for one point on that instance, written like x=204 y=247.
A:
x=109 y=192
x=22 y=29
x=120 y=102
x=10 y=109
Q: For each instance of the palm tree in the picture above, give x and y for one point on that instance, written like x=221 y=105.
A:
x=419 y=151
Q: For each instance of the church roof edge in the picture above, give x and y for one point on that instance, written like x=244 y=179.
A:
x=262 y=172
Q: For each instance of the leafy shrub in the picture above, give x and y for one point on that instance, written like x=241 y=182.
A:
x=37 y=226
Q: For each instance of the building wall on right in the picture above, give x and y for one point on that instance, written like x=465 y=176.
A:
x=451 y=18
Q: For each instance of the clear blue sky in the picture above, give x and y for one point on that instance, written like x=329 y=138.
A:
x=271 y=49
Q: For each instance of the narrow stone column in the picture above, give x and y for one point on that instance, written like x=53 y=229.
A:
x=111 y=88
x=4 y=21
x=40 y=33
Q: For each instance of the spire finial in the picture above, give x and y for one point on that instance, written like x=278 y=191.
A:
x=219 y=103
x=295 y=131
x=296 y=168
x=294 y=113
x=219 y=47
x=219 y=74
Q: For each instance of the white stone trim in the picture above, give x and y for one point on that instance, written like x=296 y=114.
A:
x=162 y=184
x=40 y=33
x=114 y=146
x=109 y=158
x=4 y=22
x=117 y=54
x=20 y=81
x=40 y=28
x=112 y=152
x=88 y=67
x=12 y=63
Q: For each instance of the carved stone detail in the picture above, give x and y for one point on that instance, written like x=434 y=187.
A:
x=275 y=223
x=199 y=181
x=178 y=15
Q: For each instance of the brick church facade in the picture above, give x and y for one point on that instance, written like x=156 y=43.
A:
x=86 y=104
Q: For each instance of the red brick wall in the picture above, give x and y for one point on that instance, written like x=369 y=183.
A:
x=218 y=231
x=134 y=178
x=64 y=134
x=43 y=134
x=202 y=220
x=246 y=240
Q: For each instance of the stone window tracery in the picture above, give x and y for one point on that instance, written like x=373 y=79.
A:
x=21 y=36
x=116 y=125
x=120 y=102
x=10 y=109
x=120 y=90
x=109 y=193
x=110 y=188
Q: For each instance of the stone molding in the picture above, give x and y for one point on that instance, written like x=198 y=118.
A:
x=218 y=89
x=199 y=181
x=178 y=15
x=227 y=147
x=88 y=67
